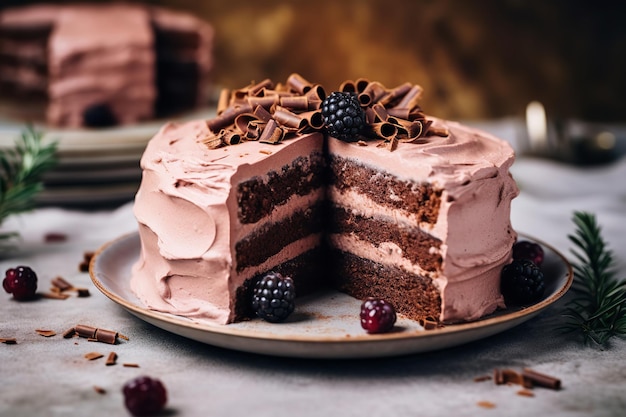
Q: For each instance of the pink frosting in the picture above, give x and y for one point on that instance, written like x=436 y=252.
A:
x=186 y=211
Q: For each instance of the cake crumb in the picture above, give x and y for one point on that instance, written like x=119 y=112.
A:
x=486 y=404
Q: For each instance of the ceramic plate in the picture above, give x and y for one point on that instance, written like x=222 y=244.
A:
x=324 y=325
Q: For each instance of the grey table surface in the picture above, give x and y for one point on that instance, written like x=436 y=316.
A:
x=50 y=376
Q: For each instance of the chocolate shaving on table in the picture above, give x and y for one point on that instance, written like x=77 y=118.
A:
x=271 y=113
x=8 y=340
x=46 y=332
x=93 y=356
x=541 y=380
x=111 y=359
x=55 y=295
x=94 y=334
x=60 y=283
x=130 y=365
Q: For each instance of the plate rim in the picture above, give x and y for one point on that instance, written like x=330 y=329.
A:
x=226 y=330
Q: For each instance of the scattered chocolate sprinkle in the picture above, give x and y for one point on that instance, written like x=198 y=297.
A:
x=106 y=336
x=541 y=380
x=486 y=404
x=54 y=237
x=525 y=393
x=84 y=265
x=69 y=333
x=93 y=356
x=482 y=378
x=61 y=284
x=8 y=340
x=99 y=390
x=82 y=292
x=55 y=296
x=124 y=337
x=46 y=333
x=130 y=365
x=265 y=151
x=111 y=359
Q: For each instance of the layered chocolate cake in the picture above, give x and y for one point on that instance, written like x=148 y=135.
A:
x=411 y=209
x=102 y=64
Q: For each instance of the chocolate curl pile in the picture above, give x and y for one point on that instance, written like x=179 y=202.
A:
x=272 y=113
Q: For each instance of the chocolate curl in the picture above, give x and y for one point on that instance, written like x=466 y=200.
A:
x=289 y=119
x=228 y=116
x=298 y=83
x=348 y=86
x=315 y=96
x=223 y=101
x=410 y=99
x=372 y=93
x=213 y=141
x=378 y=113
x=271 y=133
x=257 y=89
x=85 y=331
x=314 y=118
x=396 y=93
x=361 y=84
x=266 y=101
x=295 y=102
x=541 y=380
x=229 y=137
x=106 y=336
x=242 y=122
x=384 y=130
x=261 y=113
x=399 y=112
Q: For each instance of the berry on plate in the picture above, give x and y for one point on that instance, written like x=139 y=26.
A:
x=21 y=282
x=377 y=315
x=144 y=396
x=273 y=297
x=528 y=250
x=522 y=282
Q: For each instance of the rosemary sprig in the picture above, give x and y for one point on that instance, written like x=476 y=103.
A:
x=21 y=170
x=598 y=310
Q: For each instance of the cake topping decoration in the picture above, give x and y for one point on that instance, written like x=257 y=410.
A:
x=272 y=113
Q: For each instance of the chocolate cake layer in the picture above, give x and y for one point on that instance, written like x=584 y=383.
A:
x=420 y=199
x=257 y=196
x=306 y=270
x=412 y=295
x=415 y=243
x=255 y=248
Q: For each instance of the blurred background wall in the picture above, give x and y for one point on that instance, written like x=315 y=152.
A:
x=475 y=59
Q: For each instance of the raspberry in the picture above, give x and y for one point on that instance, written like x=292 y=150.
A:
x=343 y=116
x=144 y=396
x=273 y=297
x=522 y=282
x=377 y=316
x=21 y=282
x=528 y=250
x=99 y=115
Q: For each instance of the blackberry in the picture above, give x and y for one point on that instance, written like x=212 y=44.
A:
x=144 y=396
x=343 y=116
x=99 y=115
x=522 y=282
x=273 y=297
x=528 y=250
x=21 y=282
x=377 y=315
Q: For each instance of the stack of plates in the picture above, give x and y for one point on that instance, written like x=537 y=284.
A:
x=96 y=167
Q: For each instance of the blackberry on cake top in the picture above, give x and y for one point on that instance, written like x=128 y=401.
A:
x=343 y=116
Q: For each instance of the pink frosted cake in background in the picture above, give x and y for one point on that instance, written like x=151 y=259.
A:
x=414 y=209
x=102 y=65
